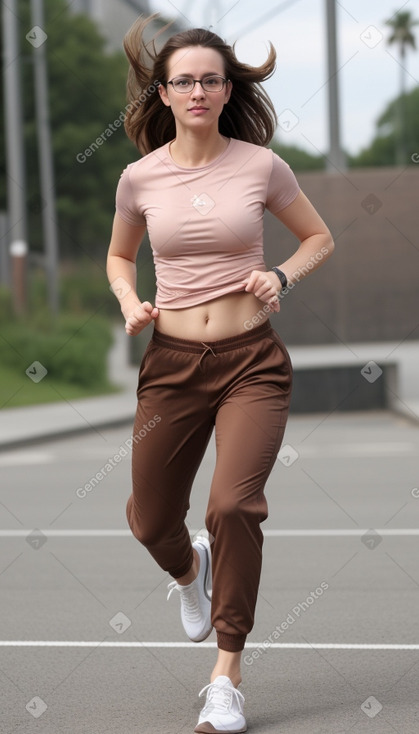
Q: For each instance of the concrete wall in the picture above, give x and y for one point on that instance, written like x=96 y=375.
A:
x=369 y=289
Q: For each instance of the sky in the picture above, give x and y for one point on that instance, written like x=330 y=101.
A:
x=369 y=69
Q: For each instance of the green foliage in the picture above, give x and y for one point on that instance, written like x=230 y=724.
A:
x=383 y=149
x=73 y=348
x=6 y=305
x=84 y=287
x=297 y=158
x=402 y=24
x=16 y=389
x=86 y=95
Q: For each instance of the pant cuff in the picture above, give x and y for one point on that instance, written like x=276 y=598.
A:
x=180 y=571
x=230 y=643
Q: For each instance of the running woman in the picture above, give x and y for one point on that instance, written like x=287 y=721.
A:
x=202 y=122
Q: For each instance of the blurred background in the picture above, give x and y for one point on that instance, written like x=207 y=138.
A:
x=346 y=92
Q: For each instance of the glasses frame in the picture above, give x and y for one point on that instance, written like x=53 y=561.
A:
x=199 y=81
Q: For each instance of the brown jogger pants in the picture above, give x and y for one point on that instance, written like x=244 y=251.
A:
x=242 y=386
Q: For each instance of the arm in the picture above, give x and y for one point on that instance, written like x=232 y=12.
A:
x=316 y=245
x=122 y=274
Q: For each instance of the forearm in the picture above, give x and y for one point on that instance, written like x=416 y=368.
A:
x=312 y=252
x=122 y=276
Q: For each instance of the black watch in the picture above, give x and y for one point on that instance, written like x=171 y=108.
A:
x=282 y=277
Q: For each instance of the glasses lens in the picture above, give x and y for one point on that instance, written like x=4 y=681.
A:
x=213 y=84
x=209 y=84
x=182 y=84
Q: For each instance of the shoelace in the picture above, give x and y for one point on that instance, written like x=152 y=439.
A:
x=189 y=598
x=221 y=696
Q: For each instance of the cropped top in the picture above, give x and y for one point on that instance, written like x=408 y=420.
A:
x=205 y=224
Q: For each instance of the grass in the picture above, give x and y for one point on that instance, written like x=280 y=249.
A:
x=17 y=389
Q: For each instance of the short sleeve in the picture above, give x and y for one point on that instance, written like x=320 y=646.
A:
x=283 y=187
x=125 y=203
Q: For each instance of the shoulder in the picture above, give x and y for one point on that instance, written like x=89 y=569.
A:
x=266 y=155
x=146 y=162
x=283 y=186
x=252 y=151
x=138 y=169
x=260 y=163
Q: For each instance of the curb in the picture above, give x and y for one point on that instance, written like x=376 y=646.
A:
x=68 y=432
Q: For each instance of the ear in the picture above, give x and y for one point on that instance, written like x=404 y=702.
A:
x=229 y=88
x=163 y=95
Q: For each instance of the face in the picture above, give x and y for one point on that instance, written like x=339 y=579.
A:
x=196 y=108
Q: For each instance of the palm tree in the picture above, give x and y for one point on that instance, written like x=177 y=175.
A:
x=402 y=24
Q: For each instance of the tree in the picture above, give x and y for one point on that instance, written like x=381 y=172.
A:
x=382 y=151
x=87 y=101
x=298 y=158
x=402 y=24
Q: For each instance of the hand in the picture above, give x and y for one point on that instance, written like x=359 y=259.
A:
x=264 y=285
x=139 y=317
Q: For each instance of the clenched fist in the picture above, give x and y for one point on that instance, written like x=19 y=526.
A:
x=264 y=285
x=139 y=317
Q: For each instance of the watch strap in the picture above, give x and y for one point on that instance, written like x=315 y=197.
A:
x=282 y=277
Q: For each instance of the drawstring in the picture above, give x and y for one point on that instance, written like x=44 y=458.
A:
x=207 y=347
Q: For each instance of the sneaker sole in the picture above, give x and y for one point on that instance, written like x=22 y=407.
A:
x=207 y=550
x=203 y=543
x=207 y=728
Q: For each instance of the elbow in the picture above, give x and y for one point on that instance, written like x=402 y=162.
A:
x=108 y=263
x=328 y=245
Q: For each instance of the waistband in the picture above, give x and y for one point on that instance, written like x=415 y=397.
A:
x=221 y=345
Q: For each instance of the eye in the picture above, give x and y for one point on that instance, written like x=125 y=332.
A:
x=182 y=82
x=212 y=81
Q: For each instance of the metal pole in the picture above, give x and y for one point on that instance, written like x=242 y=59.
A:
x=16 y=187
x=4 y=255
x=401 y=154
x=45 y=152
x=336 y=159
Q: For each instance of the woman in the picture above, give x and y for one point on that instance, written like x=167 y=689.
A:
x=202 y=121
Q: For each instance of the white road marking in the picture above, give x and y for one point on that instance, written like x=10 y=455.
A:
x=25 y=458
x=195 y=646
x=390 y=449
x=364 y=450
x=292 y=533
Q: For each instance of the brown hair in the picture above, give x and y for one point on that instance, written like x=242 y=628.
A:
x=249 y=115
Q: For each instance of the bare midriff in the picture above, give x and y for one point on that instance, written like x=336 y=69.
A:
x=223 y=317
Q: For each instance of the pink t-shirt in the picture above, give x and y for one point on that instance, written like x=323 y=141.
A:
x=205 y=224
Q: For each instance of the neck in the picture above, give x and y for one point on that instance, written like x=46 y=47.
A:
x=192 y=150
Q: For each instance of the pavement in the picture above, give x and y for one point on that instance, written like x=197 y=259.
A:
x=88 y=642
x=23 y=425
x=90 y=645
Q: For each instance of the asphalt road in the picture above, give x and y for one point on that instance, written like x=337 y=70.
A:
x=340 y=570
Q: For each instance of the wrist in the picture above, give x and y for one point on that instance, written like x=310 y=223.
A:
x=129 y=303
x=283 y=280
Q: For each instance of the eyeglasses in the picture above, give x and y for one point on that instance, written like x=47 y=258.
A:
x=184 y=84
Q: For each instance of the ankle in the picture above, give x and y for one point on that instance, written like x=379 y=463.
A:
x=234 y=675
x=189 y=577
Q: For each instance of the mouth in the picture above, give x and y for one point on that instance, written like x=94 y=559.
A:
x=196 y=109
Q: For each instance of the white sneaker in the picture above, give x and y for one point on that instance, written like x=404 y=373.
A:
x=223 y=710
x=195 y=599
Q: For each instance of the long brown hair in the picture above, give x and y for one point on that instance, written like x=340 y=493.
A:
x=249 y=115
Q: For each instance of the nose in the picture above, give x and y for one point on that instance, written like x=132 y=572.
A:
x=198 y=91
